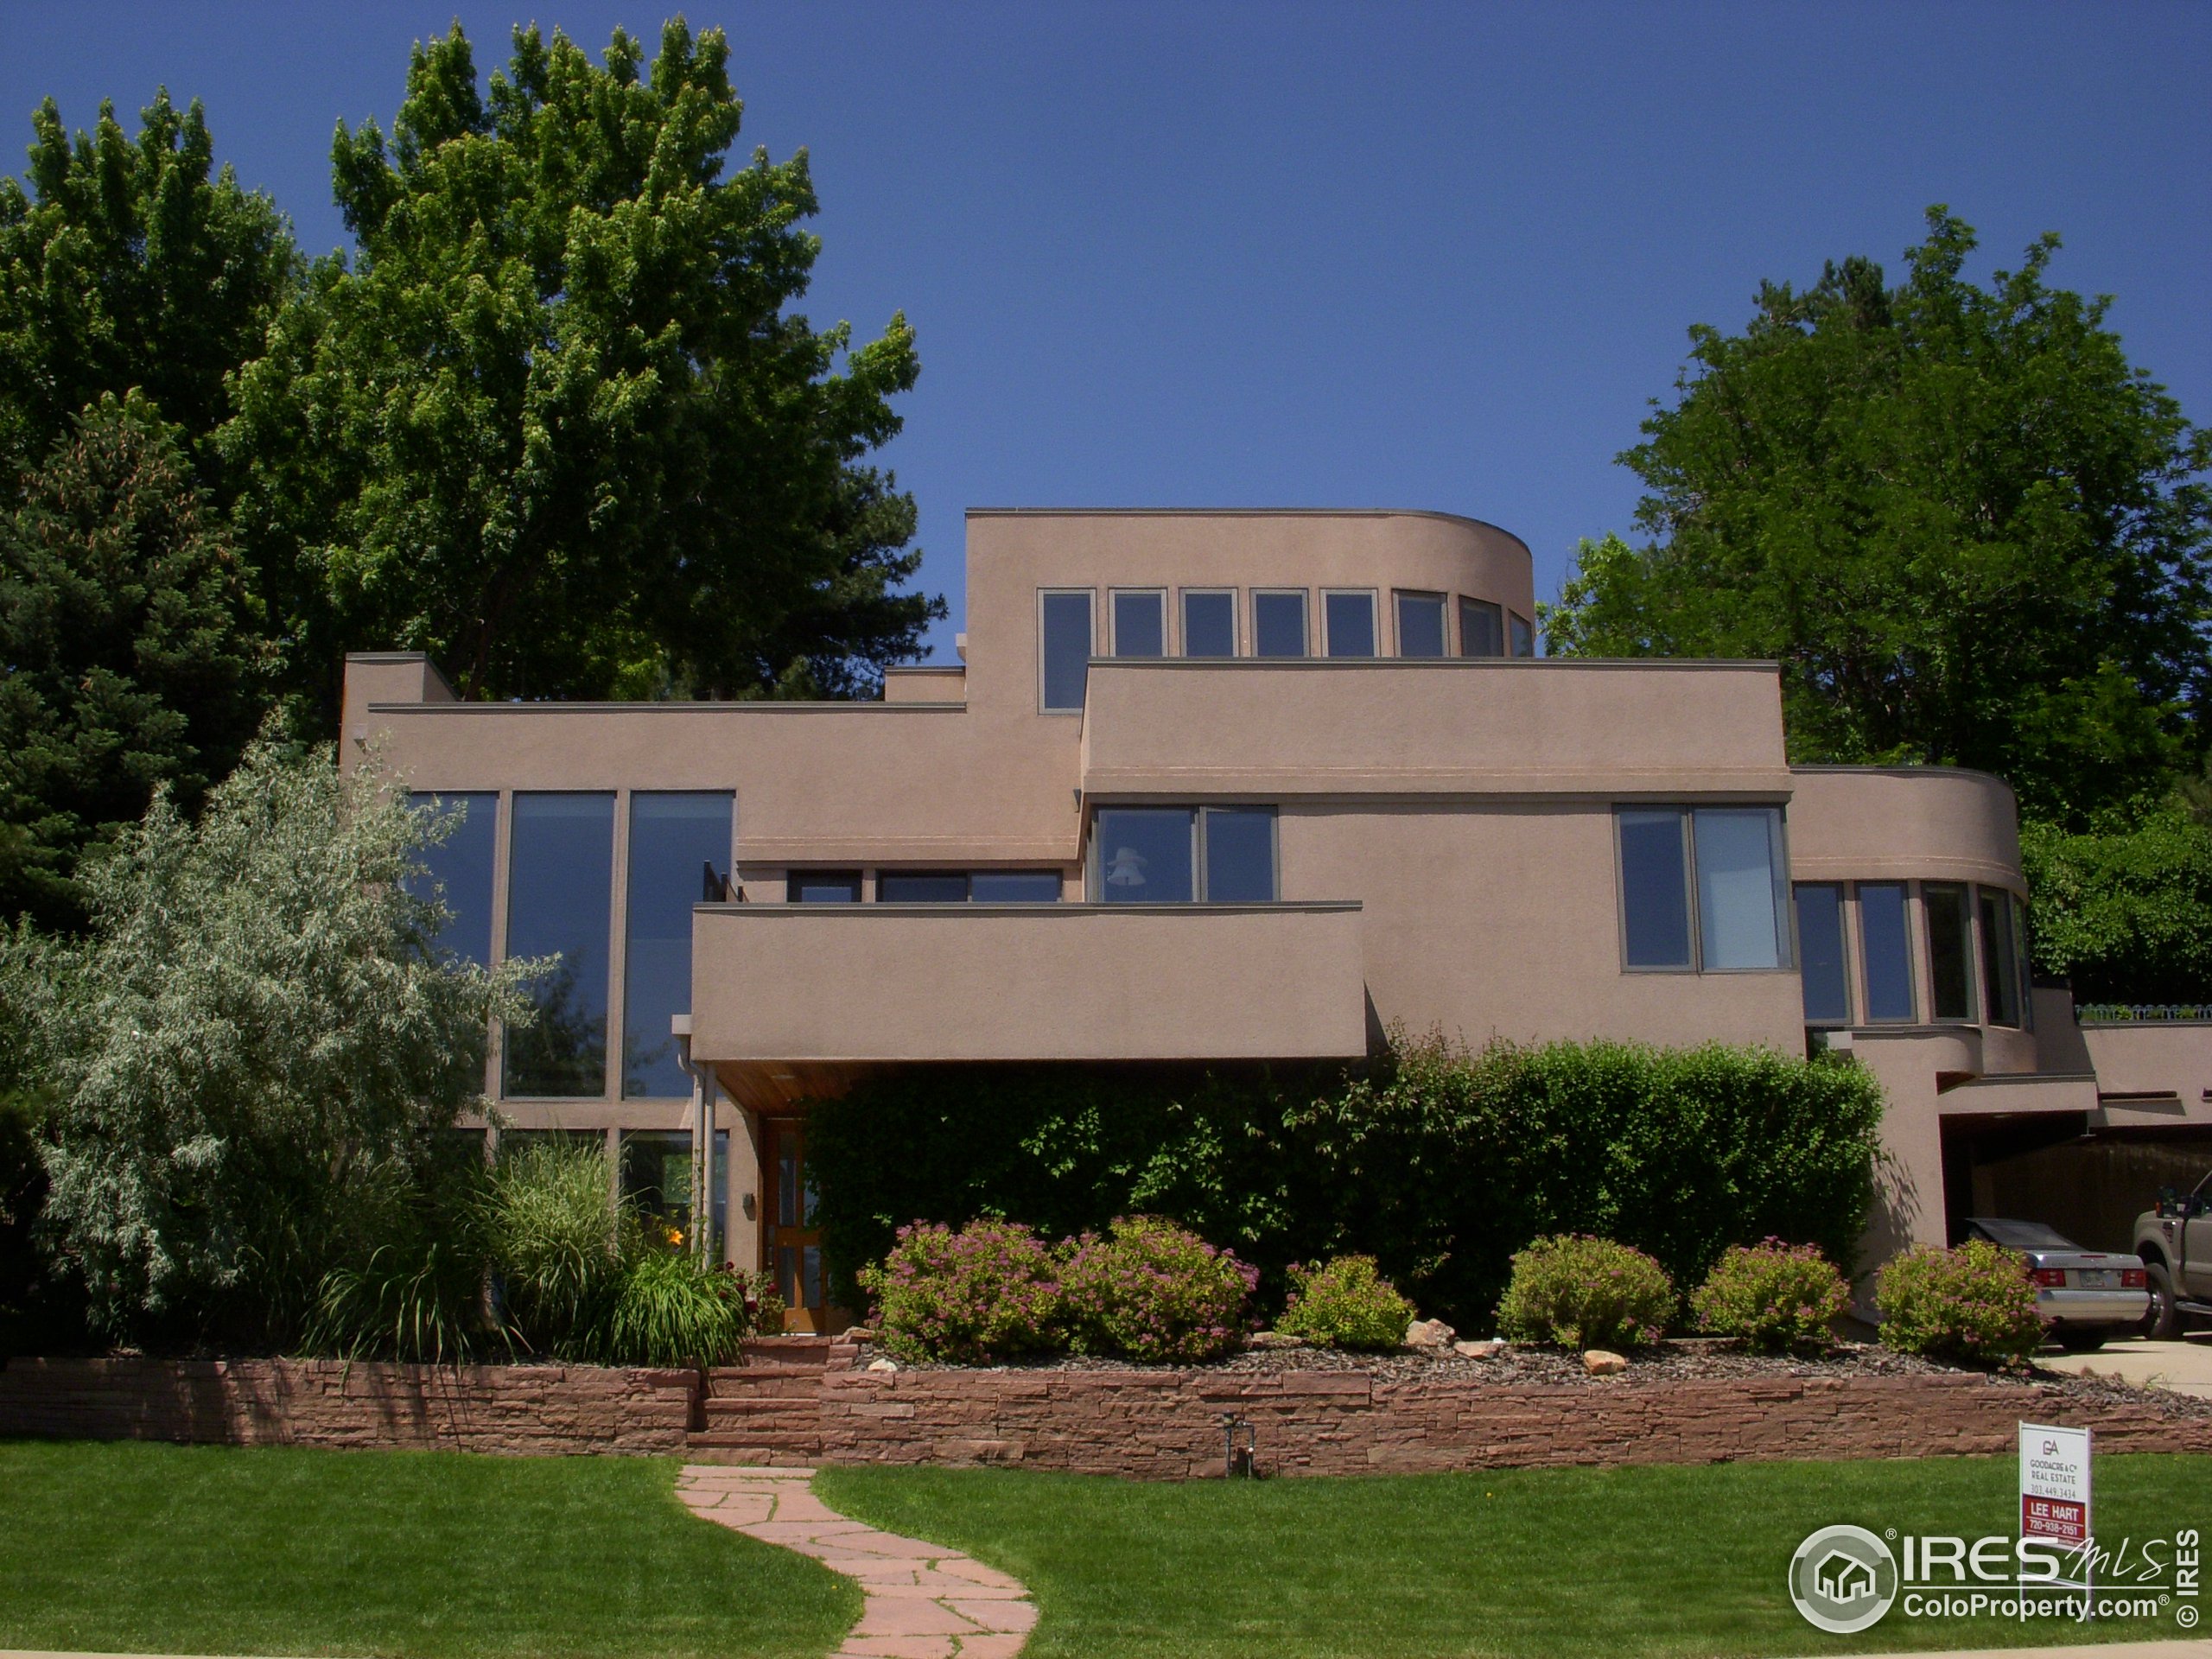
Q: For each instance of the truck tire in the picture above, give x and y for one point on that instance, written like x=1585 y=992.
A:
x=2163 y=1322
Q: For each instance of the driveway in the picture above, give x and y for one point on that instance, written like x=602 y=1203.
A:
x=2184 y=1366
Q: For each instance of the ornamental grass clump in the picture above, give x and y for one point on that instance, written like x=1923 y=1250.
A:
x=669 y=1310
x=988 y=1290
x=1151 y=1290
x=1345 y=1303
x=1581 y=1291
x=1777 y=1296
x=1973 y=1306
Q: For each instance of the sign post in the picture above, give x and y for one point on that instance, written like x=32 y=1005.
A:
x=2054 y=1495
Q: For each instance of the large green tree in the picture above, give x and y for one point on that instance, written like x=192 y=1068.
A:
x=1971 y=531
x=127 y=264
x=555 y=423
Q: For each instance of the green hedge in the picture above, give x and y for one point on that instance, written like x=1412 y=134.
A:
x=1436 y=1161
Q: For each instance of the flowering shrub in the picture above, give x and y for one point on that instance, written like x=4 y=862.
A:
x=1584 y=1293
x=1345 y=1303
x=1151 y=1290
x=1774 y=1296
x=989 y=1289
x=1975 y=1305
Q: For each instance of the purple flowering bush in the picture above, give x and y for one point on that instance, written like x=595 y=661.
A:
x=1151 y=1290
x=987 y=1290
x=1776 y=1296
x=1345 y=1303
x=1973 y=1306
x=1581 y=1291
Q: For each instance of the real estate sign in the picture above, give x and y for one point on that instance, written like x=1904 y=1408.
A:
x=2055 y=1488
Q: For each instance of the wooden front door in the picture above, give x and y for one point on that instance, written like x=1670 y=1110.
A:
x=792 y=1244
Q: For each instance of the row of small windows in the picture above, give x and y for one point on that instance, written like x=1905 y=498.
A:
x=1971 y=937
x=1279 y=625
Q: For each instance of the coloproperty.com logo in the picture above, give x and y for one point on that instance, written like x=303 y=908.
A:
x=1845 y=1578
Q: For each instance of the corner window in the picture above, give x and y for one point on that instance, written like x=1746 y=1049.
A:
x=1950 y=950
x=1420 y=625
x=457 y=873
x=560 y=893
x=1064 y=639
x=1702 y=885
x=1168 y=856
x=1482 y=628
x=677 y=843
x=1141 y=625
x=1350 y=620
x=1210 y=623
x=825 y=887
x=2001 y=973
x=1279 y=624
x=1885 y=952
x=1823 y=961
x=1523 y=633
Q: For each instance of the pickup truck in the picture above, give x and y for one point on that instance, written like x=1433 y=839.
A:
x=2175 y=1240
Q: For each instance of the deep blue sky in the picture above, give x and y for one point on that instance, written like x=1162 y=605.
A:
x=1270 y=255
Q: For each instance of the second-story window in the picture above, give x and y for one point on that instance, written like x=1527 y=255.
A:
x=2000 y=963
x=1482 y=628
x=1063 y=641
x=1177 y=855
x=1141 y=625
x=1885 y=948
x=1420 y=625
x=1950 y=950
x=675 y=840
x=825 y=886
x=457 y=872
x=1702 y=885
x=1351 y=621
x=1209 y=622
x=1279 y=624
x=559 y=891
x=1822 y=956
x=1522 y=633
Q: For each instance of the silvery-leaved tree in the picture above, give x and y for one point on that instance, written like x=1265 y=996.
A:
x=256 y=1031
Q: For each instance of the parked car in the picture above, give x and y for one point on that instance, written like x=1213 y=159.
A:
x=2083 y=1296
x=2175 y=1244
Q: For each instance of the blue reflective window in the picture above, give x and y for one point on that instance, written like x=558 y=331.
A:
x=922 y=887
x=1351 y=619
x=675 y=841
x=1140 y=624
x=560 y=882
x=1523 y=633
x=1420 y=625
x=1209 y=624
x=825 y=887
x=1885 y=941
x=1064 y=624
x=1144 y=855
x=1015 y=887
x=1822 y=957
x=457 y=872
x=1279 y=625
x=1481 y=629
x=1655 y=887
x=1240 y=855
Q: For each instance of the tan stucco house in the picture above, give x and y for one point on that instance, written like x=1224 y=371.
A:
x=1239 y=786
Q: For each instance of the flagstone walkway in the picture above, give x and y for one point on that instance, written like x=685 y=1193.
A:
x=923 y=1601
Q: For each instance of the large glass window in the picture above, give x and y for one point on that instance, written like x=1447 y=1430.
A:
x=655 y=1167
x=679 y=847
x=1885 y=943
x=1210 y=623
x=1522 y=633
x=1950 y=950
x=2000 y=972
x=1240 y=855
x=1823 y=959
x=825 y=886
x=1655 y=887
x=1064 y=639
x=1350 y=619
x=1279 y=624
x=1482 y=628
x=1420 y=625
x=1741 y=921
x=1141 y=625
x=1015 y=886
x=1144 y=855
x=457 y=872
x=560 y=885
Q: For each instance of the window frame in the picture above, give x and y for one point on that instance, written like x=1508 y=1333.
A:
x=1305 y=597
x=1114 y=598
x=1374 y=625
x=1470 y=602
x=1090 y=596
x=1183 y=597
x=1423 y=595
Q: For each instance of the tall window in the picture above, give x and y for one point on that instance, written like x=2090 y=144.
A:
x=1886 y=943
x=1141 y=625
x=1064 y=639
x=1703 y=884
x=1350 y=620
x=2000 y=968
x=1482 y=628
x=1522 y=634
x=1168 y=856
x=1420 y=625
x=1950 y=950
x=676 y=842
x=559 y=887
x=1210 y=623
x=1279 y=624
x=457 y=873
x=1822 y=957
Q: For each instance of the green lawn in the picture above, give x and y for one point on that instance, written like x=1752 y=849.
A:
x=204 y=1549
x=1645 y=1561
